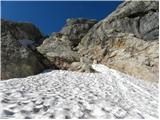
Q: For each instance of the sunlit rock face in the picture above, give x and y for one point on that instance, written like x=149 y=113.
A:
x=126 y=40
x=60 y=48
x=76 y=29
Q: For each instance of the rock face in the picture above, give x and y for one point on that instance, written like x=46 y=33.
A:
x=60 y=48
x=127 y=40
x=76 y=29
x=130 y=55
x=18 y=60
x=20 y=30
x=139 y=18
x=58 y=51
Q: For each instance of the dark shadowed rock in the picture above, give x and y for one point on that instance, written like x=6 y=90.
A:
x=18 y=60
x=20 y=30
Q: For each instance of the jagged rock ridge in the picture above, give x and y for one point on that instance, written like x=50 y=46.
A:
x=60 y=48
x=20 y=30
x=126 y=40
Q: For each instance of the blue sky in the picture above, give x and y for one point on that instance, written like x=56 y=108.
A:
x=50 y=16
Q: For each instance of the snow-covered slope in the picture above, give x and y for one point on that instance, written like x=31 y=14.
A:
x=66 y=94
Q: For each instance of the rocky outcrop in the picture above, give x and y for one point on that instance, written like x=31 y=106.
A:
x=58 y=51
x=127 y=40
x=76 y=29
x=139 y=18
x=128 y=54
x=20 y=30
x=60 y=48
x=18 y=60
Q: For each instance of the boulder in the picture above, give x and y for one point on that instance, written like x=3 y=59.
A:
x=126 y=40
x=58 y=51
x=18 y=60
x=85 y=65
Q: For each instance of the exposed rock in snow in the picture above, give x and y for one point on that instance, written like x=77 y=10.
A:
x=66 y=94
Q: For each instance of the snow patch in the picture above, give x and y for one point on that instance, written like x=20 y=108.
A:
x=66 y=94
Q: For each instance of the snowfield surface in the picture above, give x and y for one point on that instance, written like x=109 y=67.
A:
x=66 y=94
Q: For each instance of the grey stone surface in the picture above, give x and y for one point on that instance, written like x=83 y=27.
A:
x=126 y=40
x=137 y=17
x=76 y=29
x=17 y=60
x=20 y=30
x=60 y=48
x=59 y=52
